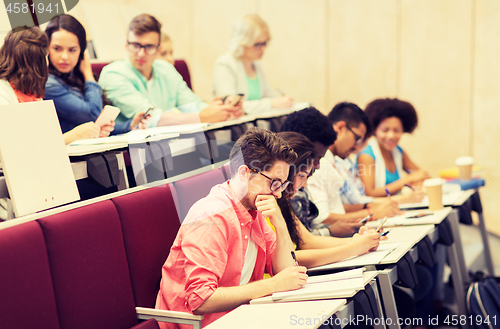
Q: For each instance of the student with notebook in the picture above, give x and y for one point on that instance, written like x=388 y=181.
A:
x=350 y=125
x=71 y=84
x=24 y=72
x=315 y=250
x=383 y=164
x=225 y=245
x=141 y=82
x=239 y=71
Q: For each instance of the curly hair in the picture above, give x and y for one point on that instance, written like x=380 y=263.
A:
x=352 y=115
x=22 y=60
x=311 y=123
x=306 y=153
x=259 y=149
x=383 y=108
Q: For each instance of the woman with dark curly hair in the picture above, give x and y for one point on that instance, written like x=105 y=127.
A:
x=313 y=250
x=383 y=166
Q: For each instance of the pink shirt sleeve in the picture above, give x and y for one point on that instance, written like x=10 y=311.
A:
x=206 y=253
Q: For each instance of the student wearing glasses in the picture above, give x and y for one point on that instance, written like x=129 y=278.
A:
x=239 y=71
x=382 y=164
x=225 y=244
x=351 y=125
x=141 y=82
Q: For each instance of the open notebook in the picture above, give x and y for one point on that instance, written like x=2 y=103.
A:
x=335 y=285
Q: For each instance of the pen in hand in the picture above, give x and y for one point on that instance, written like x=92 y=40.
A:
x=387 y=192
x=295 y=258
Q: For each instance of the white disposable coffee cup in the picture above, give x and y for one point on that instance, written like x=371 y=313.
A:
x=434 y=191
x=465 y=167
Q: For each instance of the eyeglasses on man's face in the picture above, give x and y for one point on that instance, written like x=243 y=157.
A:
x=259 y=45
x=359 y=139
x=136 y=47
x=276 y=185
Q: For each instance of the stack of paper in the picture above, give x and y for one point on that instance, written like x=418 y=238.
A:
x=337 y=285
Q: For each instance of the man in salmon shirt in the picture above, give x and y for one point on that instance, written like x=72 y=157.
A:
x=225 y=245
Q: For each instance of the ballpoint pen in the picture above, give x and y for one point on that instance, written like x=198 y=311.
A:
x=295 y=258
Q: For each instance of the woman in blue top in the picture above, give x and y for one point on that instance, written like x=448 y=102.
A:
x=382 y=165
x=71 y=84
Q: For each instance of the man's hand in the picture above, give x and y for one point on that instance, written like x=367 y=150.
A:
x=269 y=208
x=290 y=278
x=345 y=228
x=139 y=122
x=388 y=208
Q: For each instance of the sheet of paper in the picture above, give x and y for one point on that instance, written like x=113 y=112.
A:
x=448 y=200
x=371 y=258
x=312 y=289
x=355 y=273
x=436 y=217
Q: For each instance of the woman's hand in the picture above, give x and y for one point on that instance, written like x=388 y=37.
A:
x=84 y=131
x=362 y=243
x=416 y=177
x=107 y=129
x=282 y=102
x=86 y=67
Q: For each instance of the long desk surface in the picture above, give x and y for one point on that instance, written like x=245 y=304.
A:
x=304 y=315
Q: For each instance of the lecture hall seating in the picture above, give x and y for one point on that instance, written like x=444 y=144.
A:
x=180 y=65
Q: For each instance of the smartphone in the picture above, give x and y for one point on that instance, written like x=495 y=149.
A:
x=363 y=220
x=420 y=215
x=145 y=115
x=381 y=224
x=237 y=99
x=108 y=113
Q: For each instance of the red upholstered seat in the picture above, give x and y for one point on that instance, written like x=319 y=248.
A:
x=181 y=67
x=150 y=224
x=192 y=189
x=89 y=268
x=97 y=68
x=26 y=292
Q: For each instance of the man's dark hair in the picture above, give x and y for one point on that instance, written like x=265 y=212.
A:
x=311 y=123
x=260 y=149
x=381 y=109
x=352 y=115
x=144 y=23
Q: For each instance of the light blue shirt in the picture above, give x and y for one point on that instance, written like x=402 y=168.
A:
x=390 y=177
x=129 y=90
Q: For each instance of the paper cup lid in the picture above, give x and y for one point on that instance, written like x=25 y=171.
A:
x=464 y=161
x=433 y=182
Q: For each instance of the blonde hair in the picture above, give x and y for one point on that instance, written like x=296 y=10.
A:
x=245 y=31
x=164 y=37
